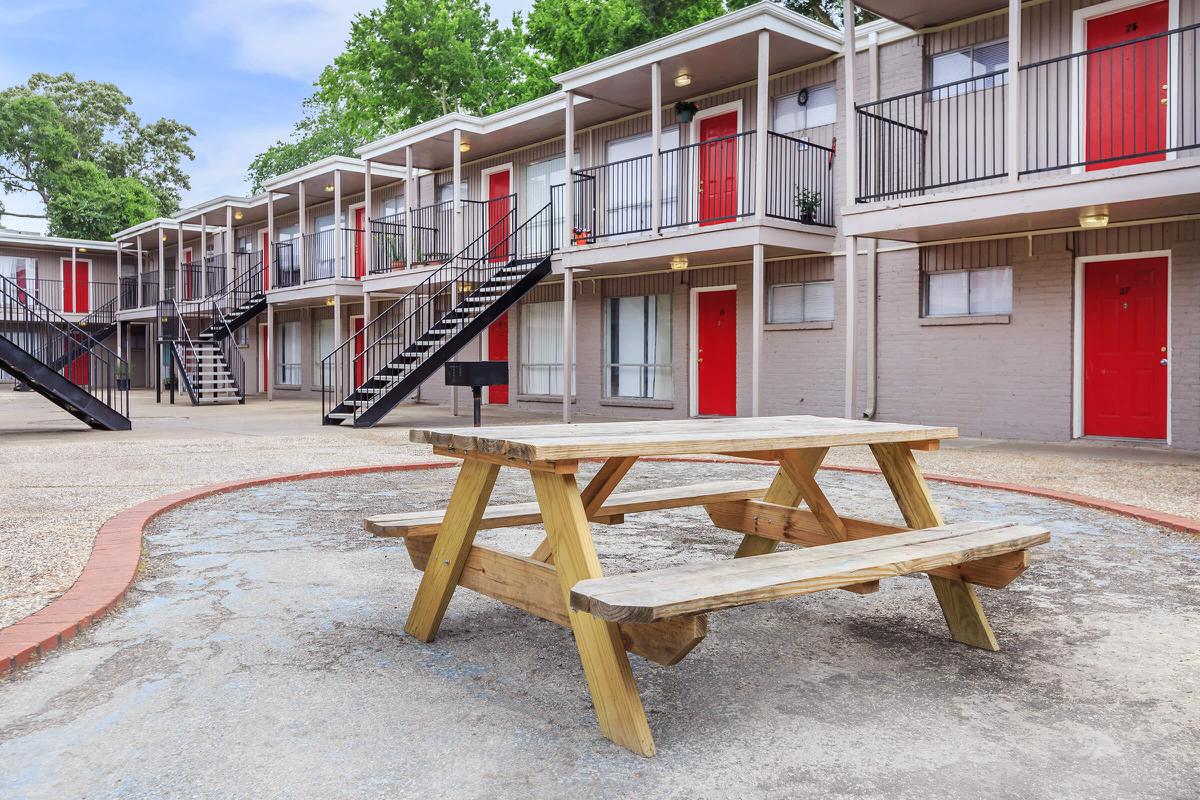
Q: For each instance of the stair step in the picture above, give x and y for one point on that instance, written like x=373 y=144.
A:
x=340 y=415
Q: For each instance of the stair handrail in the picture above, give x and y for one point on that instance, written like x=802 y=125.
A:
x=233 y=358
x=492 y=254
x=59 y=320
x=236 y=285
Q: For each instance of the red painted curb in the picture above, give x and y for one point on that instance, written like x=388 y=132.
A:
x=113 y=564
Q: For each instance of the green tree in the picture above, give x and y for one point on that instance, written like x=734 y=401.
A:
x=87 y=203
x=828 y=12
x=51 y=123
x=404 y=64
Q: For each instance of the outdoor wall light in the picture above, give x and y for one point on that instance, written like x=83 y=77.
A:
x=679 y=262
x=329 y=187
x=328 y=301
x=83 y=249
x=464 y=146
x=238 y=215
x=1093 y=220
x=683 y=79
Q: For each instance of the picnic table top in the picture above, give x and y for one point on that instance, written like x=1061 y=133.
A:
x=672 y=437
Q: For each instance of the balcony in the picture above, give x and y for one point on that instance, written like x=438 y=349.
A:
x=313 y=258
x=707 y=187
x=1112 y=131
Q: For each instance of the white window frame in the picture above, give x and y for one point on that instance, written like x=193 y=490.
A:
x=523 y=365
x=791 y=98
x=927 y=276
x=803 y=302
x=1000 y=77
x=605 y=388
x=281 y=367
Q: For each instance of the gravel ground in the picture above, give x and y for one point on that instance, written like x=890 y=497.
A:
x=261 y=654
x=60 y=482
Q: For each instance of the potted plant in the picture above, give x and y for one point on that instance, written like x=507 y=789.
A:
x=808 y=201
x=395 y=254
x=686 y=110
x=122 y=373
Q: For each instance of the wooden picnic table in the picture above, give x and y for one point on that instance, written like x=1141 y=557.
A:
x=661 y=614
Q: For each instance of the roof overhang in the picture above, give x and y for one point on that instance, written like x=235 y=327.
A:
x=168 y=226
x=918 y=14
x=320 y=177
x=36 y=240
x=716 y=54
x=212 y=212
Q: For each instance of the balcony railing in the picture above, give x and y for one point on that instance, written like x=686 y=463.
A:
x=799 y=180
x=432 y=231
x=51 y=293
x=285 y=264
x=388 y=236
x=1127 y=103
x=320 y=254
x=709 y=182
x=216 y=275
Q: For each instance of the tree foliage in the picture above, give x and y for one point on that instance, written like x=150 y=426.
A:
x=79 y=146
x=414 y=60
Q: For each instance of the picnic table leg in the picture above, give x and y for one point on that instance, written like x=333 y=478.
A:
x=784 y=492
x=960 y=604
x=594 y=494
x=605 y=665
x=451 y=547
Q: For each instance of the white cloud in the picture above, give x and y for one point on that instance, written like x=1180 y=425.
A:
x=222 y=157
x=291 y=38
x=23 y=203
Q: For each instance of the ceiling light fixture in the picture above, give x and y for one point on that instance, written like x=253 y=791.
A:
x=679 y=262
x=464 y=146
x=83 y=249
x=329 y=187
x=683 y=79
x=1093 y=220
x=238 y=215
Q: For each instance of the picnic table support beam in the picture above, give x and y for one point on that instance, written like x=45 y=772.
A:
x=601 y=651
x=598 y=489
x=451 y=548
x=960 y=604
x=784 y=492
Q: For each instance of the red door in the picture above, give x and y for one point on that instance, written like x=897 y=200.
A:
x=718 y=169
x=360 y=253
x=1127 y=87
x=266 y=251
x=716 y=353
x=75 y=286
x=360 y=344
x=499 y=188
x=1124 y=347
x=497 y=346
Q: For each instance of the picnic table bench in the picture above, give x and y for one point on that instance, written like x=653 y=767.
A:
x=660 y=614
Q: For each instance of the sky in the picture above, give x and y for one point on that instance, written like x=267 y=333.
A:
x=235 y=70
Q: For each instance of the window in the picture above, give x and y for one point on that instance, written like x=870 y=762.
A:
x=800 y=302
x=321 y=258
x=287 y=258
x=820 y=108
x=390 y=207
x=540 y=179
x=972 y=62
x=323 y=344
x=964 y=292
x=445 y=192
x=637 y=347
x=287 y=353
x=626 y=187
x=541 y=349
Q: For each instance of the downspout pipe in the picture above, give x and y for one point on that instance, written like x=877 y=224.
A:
x=872 y=266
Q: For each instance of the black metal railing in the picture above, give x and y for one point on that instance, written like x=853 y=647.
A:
x=799 y=180
x=285 y=264
x=406 y=324
x=943 y=136
x=247 y=278
x=50 y=338
x=321 y=258
x=388 y=250
x=1126 y=103
x=613 y=199
x=150 y=289
x=708 y=182
x=128 y=292
x=67 y=298
x=432 y=232
x=215 y=273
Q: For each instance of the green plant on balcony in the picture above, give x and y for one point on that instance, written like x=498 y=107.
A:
x=808 y=201
x=395 y=253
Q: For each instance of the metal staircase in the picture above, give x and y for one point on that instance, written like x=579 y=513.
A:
x=374 y=370
x=34 y=338
x=98 y=325
x=199 y=335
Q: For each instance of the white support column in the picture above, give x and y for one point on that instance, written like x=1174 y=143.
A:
x=338 y=335
x=162 y=264
x=180 y=275
x=656 y=147
x=203 y=255
x=368 y=240
x=568 y=340
x=758 y=289
x=140 y=298
x=270 y=351
x=409 y=193
x=456 y=241
x=850 y=149
x=118 y=294
x=1012 y=149
x=303 y=230
x=339 y=233
x=569 y=190
x=228 y=242
x=851 y=325
x=761 y=123
x=120 y=339
x=74 y=272
x=269 y=254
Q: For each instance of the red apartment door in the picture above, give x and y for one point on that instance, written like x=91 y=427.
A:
x=499 y=188
x=716 y=353
x=497 y=346
x=718 y=169
x=75 y=286
x=266 y=251
x=1127 y=87
x=1125 y=348
x=360 y=253
x=356 y=326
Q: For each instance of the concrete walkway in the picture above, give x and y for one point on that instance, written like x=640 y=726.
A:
x=61 y=481
x=261 y=654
